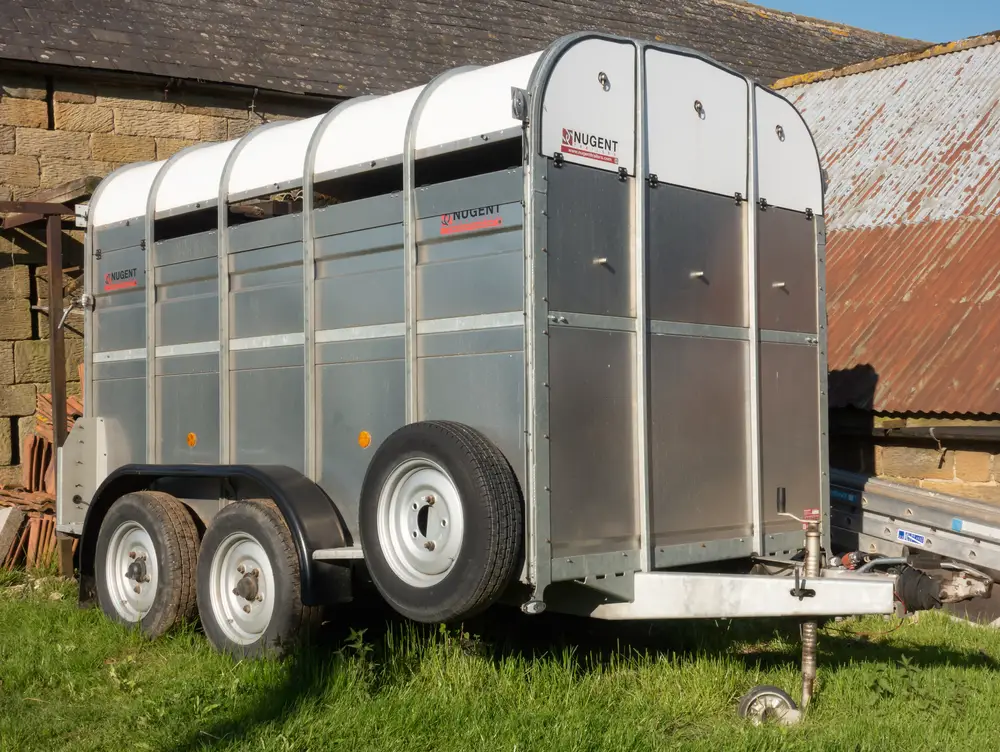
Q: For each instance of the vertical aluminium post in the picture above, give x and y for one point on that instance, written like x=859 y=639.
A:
x=753 y=422
x=311 y=395
x=641 y=380
x=410 y=236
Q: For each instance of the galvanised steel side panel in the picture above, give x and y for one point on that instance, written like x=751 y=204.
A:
x=182 y=365
x=266 y=291
x=790 y=433
x=355 y=351
x=116 y=237
x=264 y=233
x=592 y=384
x=187 y=302
x=696 y=268
x=267 y=357
x=507 y=339
x=268 y=416
x=363 y=395
x=122 y=404
x=589 y=242
x=478 y=191
x=186 y=248
x=188 y=417
x=359 y=278
x=125 y=369
x=470 y=260
x=787 y=271
x=482 y=390
x=362 y=214
x=119 y=292
x=698 y=441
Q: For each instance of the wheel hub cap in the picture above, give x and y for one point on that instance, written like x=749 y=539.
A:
x=420 y=522
x=131 y=571
x=242 y=588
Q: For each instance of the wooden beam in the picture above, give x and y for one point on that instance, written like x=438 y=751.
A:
x=70 y=192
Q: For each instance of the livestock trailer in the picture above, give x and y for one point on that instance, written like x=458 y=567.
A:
x=550 y=331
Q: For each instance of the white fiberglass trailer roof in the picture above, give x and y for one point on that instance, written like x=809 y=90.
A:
x=705 y=149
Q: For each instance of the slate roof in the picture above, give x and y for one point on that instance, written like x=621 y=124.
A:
x=349 y=47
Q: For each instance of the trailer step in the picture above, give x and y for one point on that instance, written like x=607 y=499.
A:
x=333 y=554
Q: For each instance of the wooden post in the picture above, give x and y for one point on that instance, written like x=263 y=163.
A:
x=64 y=545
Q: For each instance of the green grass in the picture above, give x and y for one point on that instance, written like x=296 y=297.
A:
x=69 y=679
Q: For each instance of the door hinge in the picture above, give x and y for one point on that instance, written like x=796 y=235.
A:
x=763 y=204
x=653 y=180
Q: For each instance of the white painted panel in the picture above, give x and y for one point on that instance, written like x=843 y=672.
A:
x=582 y=121
x=123 y=196
x=473 y=104
x=194 y=176
x=272 y=156
x=788 y=170
x=704 y=149
x=366 y=132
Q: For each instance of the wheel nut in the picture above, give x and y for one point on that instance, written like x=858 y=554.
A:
x=429 y=545
x=131 y=554
x=146 y=578
x=235 y=591
x=241 y=569
x=137 y=589
x=255 y=573
x=430 y=500
x=246 y=609
x=260 y=598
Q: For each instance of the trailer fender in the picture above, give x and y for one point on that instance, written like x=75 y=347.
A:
x=311 y=516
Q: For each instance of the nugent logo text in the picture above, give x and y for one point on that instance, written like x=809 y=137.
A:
x=589 y=146
x=469 y=220
x=120 y=279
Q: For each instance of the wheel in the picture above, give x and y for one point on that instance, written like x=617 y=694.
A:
x=249 y=591
x=147 y=553
x=766 y=703
x=441 y=521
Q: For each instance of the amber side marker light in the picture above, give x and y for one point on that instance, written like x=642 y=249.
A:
x=364 y=439
x=192 y=439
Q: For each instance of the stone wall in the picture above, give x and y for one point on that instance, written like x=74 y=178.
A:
x=960 y=468
x=57 y=129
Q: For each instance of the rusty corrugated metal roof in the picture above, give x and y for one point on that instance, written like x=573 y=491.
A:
x=913 y=214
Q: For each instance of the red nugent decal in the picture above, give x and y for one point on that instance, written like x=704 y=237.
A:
x=589 y=146
x=120 y=280
x=470 y=220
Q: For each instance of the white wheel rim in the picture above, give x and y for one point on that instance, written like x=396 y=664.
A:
x=767 y=704
x=242 y=588
x=420 y=522
x=131 y=571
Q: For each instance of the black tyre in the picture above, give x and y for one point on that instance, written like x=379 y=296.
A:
x=249 y=588
x=147 y=554
x=441 y=521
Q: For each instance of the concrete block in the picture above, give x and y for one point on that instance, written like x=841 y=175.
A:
x=15 y=281
x=85 y=118
x=916 y=462
x=976 y=467
x=111 y=148
x=74 y=92
x=56 y=171
x=11 y=519
x=7 y=440
x=167 y=147
x=17 y=401
x=35 y=142
x=31 y=361
x=26 y=113
x=22 y=86
x=170 y=125
x=7 y=139
x=15 y=320
x=25 y=427
x=10 y=476
x=6 y=363
x=18 y=170
x=147 y=99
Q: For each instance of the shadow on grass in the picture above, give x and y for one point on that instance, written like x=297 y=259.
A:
x=504 y=633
